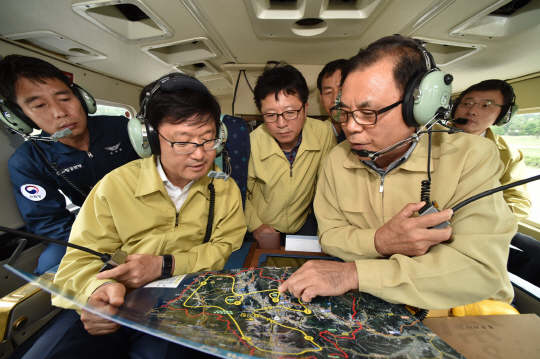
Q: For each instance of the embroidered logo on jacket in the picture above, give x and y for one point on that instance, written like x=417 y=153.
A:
x=33 y=192
x=69 y=169
x=114 y=149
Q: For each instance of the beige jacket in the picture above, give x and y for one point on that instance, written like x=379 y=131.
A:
x=517 y=198
x=130 y=209
x=279 y=194
x=353 y=202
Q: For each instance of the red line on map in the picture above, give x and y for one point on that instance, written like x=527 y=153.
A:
x=352 y=336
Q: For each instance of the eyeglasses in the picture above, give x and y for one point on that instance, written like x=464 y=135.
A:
x=287 y=115
x=484 y=105
x=190 y=147
x=362 y=116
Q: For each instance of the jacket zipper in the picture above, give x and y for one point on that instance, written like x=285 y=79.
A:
x=291 y=170
x=176 y=223
x=90 y=154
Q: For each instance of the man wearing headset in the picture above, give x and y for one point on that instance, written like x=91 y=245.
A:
x=287 y=153
x=329 y=85
x=366 y=209
x=41 y=95
x=492 y=103
x=157 y=210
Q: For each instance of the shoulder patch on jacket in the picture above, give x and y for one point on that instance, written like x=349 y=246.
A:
x=33 y=192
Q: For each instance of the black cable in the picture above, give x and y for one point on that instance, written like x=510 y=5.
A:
x=495 y=190
x=425 y=186
x=55 y=241
x=247 y=81
x=210 y=211
x=235 y=90
x=57 y=171
x=422 y=314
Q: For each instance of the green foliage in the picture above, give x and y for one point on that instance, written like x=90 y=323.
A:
x=520 y=125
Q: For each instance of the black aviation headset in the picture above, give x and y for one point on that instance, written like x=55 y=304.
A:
x=508 y=111
x=427 y=94
x=144 y=138
x=15 y=118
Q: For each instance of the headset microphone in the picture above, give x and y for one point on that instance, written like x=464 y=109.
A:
x=461 y=121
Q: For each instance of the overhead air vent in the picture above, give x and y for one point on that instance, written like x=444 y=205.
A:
x=445 y=53
x=58 y=45
x=129 y=20
x=502 y=20
x=219 y=85
x=315 y=18
x=199 y=69
x=185 y=52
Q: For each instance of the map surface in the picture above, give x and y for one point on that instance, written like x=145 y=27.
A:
x=240 y=314
x=241 y=311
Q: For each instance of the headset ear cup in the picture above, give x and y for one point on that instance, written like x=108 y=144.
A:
x=14 y=117
x=455 y=105
x=408 y=100
x=510 y=113
x=153 y=139
x=85 y=97
x=136 y=137
x=223 y=134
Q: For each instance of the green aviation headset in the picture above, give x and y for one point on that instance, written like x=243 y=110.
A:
x=14 y=117
x=144 y=138
x=507 y=111
x=427 y=94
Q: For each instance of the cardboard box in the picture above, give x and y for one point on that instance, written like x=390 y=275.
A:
x=490 y=336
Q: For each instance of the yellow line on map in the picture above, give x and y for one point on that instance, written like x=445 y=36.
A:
x=244 y=337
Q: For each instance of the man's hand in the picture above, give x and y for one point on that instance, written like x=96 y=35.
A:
x=263 y=228
x=139 y=270
x=106 y=298
x=324 y=278
x=411 y=236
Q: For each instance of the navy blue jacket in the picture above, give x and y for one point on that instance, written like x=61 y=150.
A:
x=36 y=185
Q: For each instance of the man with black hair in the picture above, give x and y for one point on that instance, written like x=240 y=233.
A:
x=367 y=209
x=73 y=165
x=156 y=210
x=329 y=85
x=490 y=103
x=286 y=155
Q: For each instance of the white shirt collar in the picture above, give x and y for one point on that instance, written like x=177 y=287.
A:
x=178 y=195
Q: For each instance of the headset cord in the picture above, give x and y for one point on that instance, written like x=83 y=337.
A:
x=495 y=190
x=23 y=234
x=426 y=184
x=210 y=212
x=57 y=171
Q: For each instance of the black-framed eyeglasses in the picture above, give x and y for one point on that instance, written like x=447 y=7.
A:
x=289 y=115
x=361 y=116
x=190 y=147
x=484 y=105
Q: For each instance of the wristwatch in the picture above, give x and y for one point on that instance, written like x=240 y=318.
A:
x=167 y=268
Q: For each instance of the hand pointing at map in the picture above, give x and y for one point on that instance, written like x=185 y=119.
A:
x=139 y=269
x=321 y=278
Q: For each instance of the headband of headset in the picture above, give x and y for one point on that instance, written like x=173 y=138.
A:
x=144 y=138
x=14 y=117
x=508 y=110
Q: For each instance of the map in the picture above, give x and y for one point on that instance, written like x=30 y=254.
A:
x=240 y=314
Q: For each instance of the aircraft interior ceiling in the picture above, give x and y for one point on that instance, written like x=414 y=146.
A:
x=200 y=36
